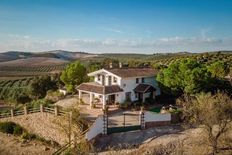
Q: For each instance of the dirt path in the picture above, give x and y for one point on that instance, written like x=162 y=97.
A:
x=134 y=138
x=68 y=102
x=11 y=145
x=163 y=140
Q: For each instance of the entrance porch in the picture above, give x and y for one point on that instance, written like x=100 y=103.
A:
x=144 y=91
x=99 y=94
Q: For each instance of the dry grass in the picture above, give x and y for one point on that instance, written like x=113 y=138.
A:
x=11 y=145
x=189 y=142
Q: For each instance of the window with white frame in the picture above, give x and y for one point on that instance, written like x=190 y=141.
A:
x=99 y=77
x=115 y=80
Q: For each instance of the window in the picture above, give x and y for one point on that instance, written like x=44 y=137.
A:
x=98 y=77
x=137 y=80
x=143 y=80
x=109 y=80
x=115 y=80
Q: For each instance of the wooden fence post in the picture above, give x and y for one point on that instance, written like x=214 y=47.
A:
x=25 y=110
x=56 y=110
x=41 y=108
x=70 y=128
x=12 y=112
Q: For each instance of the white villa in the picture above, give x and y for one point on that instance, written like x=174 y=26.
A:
x=117 y=85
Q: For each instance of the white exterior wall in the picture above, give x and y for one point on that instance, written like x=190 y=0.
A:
x=131 y=84
x=119 y=97
x=95 y=129
x=156 y=117
x=118 y=82
x=128 y=85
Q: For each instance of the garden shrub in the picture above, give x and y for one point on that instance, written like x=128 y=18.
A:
x=18 y=130
x=7 y=127
x=28 y=136
x=11 y=128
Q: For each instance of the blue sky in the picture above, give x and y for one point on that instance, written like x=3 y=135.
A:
x=101 y=26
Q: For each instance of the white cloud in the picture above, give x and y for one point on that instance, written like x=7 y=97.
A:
x=111 y=29
x=19 y=36
x=168 y=44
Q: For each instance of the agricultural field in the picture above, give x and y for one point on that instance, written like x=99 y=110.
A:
x=20 y=72
x=11 y=90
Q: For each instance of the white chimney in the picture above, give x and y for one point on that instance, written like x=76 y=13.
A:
x=111 y=65
x=120 y=65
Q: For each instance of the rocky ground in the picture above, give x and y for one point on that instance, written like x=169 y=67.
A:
x=11 y=145
x=134 y=138
x=156 y=141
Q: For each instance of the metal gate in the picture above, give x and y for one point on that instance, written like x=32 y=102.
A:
x=123 y=122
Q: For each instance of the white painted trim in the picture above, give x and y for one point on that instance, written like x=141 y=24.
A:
x=89 y=92
x=98 y=93
x=138 y=77
x=147 y=88
x=102 y=70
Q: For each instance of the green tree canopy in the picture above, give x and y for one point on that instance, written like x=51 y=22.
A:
x=73 y=75
x=40 y=85
x=185 y=76
x=219 y=69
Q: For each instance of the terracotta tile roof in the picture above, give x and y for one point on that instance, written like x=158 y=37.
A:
x=143 y=88
x=133 y=72
x=97 y=88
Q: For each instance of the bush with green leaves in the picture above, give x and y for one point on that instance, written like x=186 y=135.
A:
x=11 y=128
x=185 y=76
x=28 y=136
x=37 y=103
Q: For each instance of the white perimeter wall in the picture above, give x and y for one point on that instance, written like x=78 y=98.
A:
x=95 y=129
x=156 y=117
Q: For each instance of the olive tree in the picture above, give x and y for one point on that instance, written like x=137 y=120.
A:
x=212 y=112
x=219 y=69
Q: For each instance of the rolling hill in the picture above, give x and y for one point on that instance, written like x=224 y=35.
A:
x=56 y=54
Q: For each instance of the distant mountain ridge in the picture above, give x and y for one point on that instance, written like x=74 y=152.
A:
x=67 y=56
x=57 y=54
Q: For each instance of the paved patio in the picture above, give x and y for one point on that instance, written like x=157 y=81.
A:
x=85 y=109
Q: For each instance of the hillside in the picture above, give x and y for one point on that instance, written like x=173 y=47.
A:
x=34 y=61
x=56 y=54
